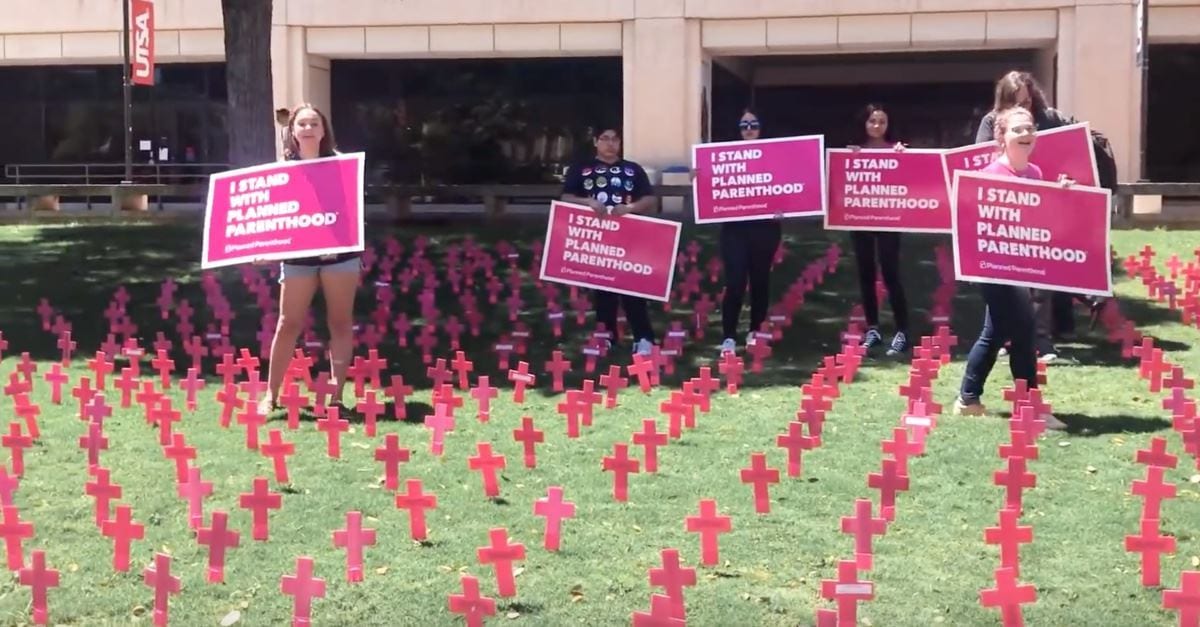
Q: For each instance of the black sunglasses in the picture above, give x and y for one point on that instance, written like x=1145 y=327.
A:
x=747 y=125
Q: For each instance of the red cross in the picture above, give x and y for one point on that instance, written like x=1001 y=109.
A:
x=621 y=465
x=8 y=486
x=247 y=363
x=1153 y=369
x=165 y=366
x=946 y=342
x=501 y=554
x=473 y=607
x=438 y=424
x=57 y=378
x=371 y=409
x=795 y=442
x=179 y=452
x=557 y=367
x=82 y=393
x=228 y=369
x=679 y=414
x=333 y=426
x=650 y=439
x=504 y=349
x=397 y=391
x=392 y=455
x=445 y=396
x=709 y=525
x=375 y=365
x=278 y=450
x=613 y=383
x=761 y=477
x=193 y=491
x=759 y=350
x=66 y=346
x=888 y=481
x=323 y=389
x=416 y=503
x=529 y=438
x=1151 y=544
x=29 y=412
x=357 y=372
x=165 y=417
x=900 y=448
x=463 y=367
x=260 y=501
x=731 y=368
x=1185 y=599
x=454 y=330
x=228 y=397
x=520 y=378
x=103 y=491
x=1008 y=596
x=1174 y=264
x=640 y=368
x=192 y=384
x=39 y=579
x=218 y=538
x=123 y=531
x=303 y=588
x=812 y=413
x=865 y=528
x=572 y=410
x=14 y=531
x=847 y=590
x=353 y=538
x=1021 y=445
x=1014 y=479
x=1177 y=380
x=487 y=464
x=158 y=576
x=694 y=398
x=554 y=509
x=100 y=367
x=850 y=363
x=1154 y=490
x=1010 y=536
x=16 y=444
x=817 y=389
x=672 y=578
x=1157 y=454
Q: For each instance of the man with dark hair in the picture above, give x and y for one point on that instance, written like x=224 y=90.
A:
x=612 y=187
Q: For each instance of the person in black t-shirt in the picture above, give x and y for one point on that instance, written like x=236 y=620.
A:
x=613 y=187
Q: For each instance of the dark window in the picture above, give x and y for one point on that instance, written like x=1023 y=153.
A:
x=1173 y=143
x=473 y=121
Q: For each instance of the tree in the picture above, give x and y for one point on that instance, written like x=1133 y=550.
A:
x=250 y=119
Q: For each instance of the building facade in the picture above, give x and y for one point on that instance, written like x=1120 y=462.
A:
x=682 y=68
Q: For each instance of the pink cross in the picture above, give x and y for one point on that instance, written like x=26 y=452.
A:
x=123 y=531
x=353 y=538
x=218 y=538
x=158 y=576
x=847 y=590
x=371 y=409
x=470 y=604
x=303 y=588
x=1154 y=490
x=672 y=578
x=16 y=444
x=463 y=367
x=760 y=476
x=438 y=373
x=260 y=501
x=621 y=465
x=416 y=503
x=483 y=393
x=193 y=491
x=557 y=367
x=1014 y=479
x=554 y=509
x=1150 y=543
x=439 y=423
x=709 y=525
x=179 y=452
x=501 y=554
x=1186 y=598
x=333 y=426
x=1010 y=536
x=278 y=450
x=1157 y=454
x=864 y=527
x=529 y=437
x=57 y=378
x=392 y=455
x=39 y=579
x=487 y=464
x=1008 y=596
x=650 y=439
x=888 y=481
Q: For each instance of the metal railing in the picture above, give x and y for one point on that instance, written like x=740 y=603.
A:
x=111 y=173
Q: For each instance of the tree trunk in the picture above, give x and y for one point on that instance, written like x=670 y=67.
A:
x=250 y=119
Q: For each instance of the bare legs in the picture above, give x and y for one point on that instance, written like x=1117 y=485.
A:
x=295 y=297
x=339 y=289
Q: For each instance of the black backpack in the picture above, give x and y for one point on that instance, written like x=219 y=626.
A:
x=1106 y=162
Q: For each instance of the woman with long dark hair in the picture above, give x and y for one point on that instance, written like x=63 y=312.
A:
x=874 y=131
x=747 y=252
x=308 y=135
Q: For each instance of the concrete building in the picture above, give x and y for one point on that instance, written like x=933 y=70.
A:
x=685 y=65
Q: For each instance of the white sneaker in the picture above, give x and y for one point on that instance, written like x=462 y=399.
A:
x=643 y=348
x=729 y=346
x=1048 y=357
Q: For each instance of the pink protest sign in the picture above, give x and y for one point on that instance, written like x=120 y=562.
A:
x=1063 y=150
x=1031 y=233
x=630 y=254
x=886 y=190
x=762 y=178
x=284 y=210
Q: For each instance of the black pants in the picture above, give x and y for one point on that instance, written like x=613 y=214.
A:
x=636 y=313
x=1009 y=317
x=869 y=247
x=747 y=250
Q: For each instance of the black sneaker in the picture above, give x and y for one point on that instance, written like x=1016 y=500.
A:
x=872 y=339
x=899 y=344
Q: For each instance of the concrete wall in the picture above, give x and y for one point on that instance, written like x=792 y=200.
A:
x=666 y=44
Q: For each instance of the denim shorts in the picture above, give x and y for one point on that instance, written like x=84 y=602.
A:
x=294 y=270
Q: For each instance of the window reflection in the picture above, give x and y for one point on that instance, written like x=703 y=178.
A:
x=73 y=114
x=472 y=121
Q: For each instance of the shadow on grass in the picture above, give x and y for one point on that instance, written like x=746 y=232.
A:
x=1091 y=426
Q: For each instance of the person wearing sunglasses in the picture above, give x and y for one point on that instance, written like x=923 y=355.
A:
x=613 y=186
x=747 y=253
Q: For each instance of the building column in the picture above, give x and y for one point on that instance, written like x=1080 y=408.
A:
x=297 y=76
x=663 y=90
x=1098 y=79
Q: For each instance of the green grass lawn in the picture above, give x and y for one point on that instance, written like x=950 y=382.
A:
x=929 y=567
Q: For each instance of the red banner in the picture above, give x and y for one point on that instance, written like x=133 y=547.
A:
x=141 y=31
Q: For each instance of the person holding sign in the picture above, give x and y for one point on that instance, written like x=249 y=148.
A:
x=884 y=246
x=747 y=252
x=309 y=136
x=612 y=187
x=1009 y=312
x=1021 y=89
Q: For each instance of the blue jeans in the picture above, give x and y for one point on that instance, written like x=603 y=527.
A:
x=1008 y=318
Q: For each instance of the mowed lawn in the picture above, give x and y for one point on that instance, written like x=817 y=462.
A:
x=929 y=567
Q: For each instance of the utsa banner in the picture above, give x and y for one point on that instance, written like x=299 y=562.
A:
x=141 y=31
